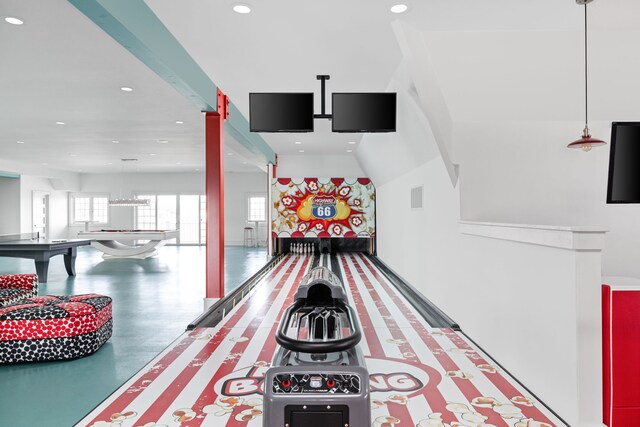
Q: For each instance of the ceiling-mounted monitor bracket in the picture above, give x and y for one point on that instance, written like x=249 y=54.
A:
x=323 y=78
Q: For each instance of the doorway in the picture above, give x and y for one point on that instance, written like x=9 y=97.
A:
x=40 y=213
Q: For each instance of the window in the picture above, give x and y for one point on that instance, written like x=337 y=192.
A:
x=186 y=212
x=257 y=208
x=89 y=207
x=146 y=215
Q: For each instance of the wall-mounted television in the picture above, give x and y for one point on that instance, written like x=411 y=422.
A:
x=363 y=112
x=281 y=112
x=624 y=163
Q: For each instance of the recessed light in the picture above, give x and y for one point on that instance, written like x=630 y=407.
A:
x=126 y=89
x=109 y=163
x=241 y=8
x=163 y=141
x=59 y=123
x=300 y=151
x=352 y=142
x=116 y=142
x=152 y=154
x=179 y=122
x=19 y=142
x=298 y=142
x=349 y=151
x=197 y=170
x=229 y=154
x=13 y=20
x=399 y=8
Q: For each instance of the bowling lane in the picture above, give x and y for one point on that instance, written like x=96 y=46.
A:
x=420 y=376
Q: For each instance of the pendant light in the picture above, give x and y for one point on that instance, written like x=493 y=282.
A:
x=586 y=142
x=125 y=202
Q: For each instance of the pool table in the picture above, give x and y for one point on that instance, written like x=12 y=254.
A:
x=121 y=243
x=41 y=250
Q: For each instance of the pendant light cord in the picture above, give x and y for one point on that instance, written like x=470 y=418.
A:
x=586 y=72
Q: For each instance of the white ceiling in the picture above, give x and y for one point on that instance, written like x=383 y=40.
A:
x=60 y=66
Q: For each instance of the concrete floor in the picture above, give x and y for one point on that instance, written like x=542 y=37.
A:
x=153 y=301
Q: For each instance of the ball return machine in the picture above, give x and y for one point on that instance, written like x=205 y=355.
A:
x=318 y=377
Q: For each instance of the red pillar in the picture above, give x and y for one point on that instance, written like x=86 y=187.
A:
x=214 y=147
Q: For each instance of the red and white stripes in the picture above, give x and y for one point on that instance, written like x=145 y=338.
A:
x=420 y=376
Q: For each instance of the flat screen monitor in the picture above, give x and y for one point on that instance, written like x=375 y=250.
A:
x=363 y=112
x=624 y=163
x=281 y=112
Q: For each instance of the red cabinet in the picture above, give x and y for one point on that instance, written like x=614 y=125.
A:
x=621 y=354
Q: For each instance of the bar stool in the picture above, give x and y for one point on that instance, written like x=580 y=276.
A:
x=249 y=237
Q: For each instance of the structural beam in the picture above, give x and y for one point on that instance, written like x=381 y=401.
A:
x=214 y=145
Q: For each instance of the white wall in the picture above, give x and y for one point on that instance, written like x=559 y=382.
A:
x=304 y=166
x=519 y=301
x=522 y=173
x=9 y=205
x=238 y=186
x=516 y=102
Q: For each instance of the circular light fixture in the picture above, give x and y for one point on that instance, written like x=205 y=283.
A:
x=13 y=20
x=349 y=151
x=242 y=8
x=152 y=154
x=179 y=122
x=298 y=142
x=229 y=154
x=116 y=142
x=399 y=8
x=59 y=123
x=163 y=141
x=352 y=143
x=19 y=142
x=126 y=89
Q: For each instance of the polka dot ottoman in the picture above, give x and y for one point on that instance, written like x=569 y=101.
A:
x=14 y=287
x=54 y=327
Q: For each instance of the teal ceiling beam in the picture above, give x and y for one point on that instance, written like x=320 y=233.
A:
x=238 y=127
x=9 y=175
x=134 y=25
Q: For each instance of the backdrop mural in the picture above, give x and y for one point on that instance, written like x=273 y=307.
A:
x=323 y=207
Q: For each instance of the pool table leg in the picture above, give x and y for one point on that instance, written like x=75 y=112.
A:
x=42 y=268
x=70 y=261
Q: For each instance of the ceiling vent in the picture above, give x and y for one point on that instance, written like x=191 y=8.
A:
x=416 y=197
